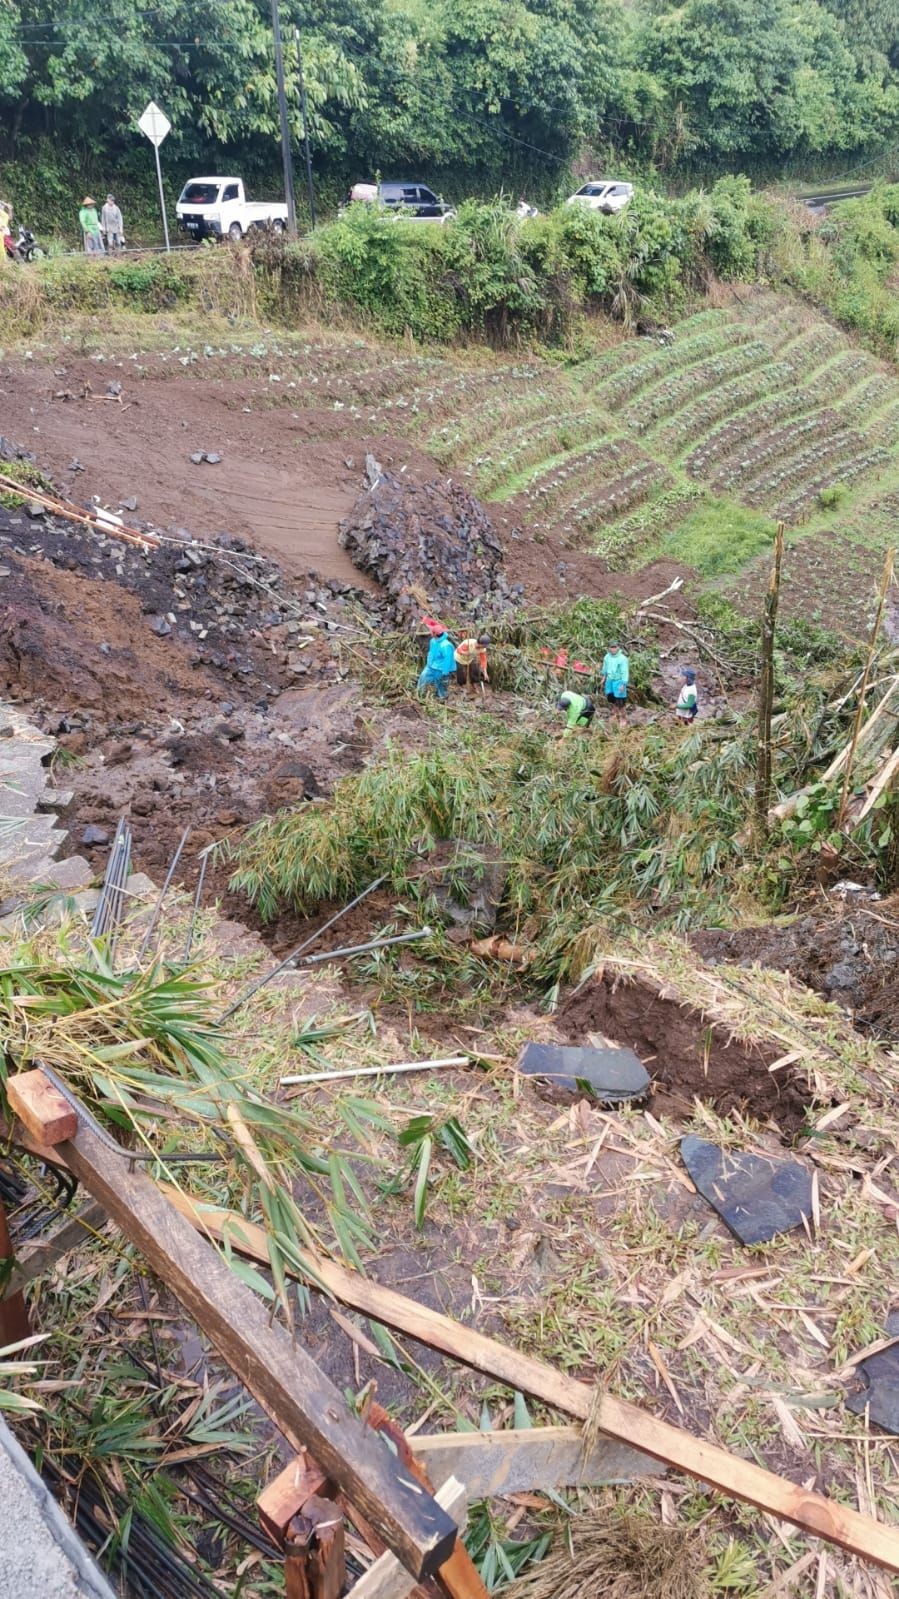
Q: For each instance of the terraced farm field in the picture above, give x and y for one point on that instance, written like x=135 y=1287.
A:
x=687 y=447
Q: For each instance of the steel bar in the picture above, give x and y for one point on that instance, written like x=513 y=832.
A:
x=198 y=895
x=157 y=909
x=295 y=953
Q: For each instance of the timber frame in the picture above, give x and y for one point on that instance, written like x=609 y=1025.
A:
x=340 y=1464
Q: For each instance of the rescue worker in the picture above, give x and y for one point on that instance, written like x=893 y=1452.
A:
x=441 y=661
x=580 y=710
x=615 y=677
x=471 y=662
x=688 y=699
x=90 y=227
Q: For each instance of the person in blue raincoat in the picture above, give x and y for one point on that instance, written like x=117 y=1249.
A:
x=441 y=662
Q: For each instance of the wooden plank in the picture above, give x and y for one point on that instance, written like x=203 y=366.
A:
x=41 y=1108
x=284 y=1497
x=44 y=1255
x=386 y=1579
x=617 y=1418
x=523 y=1460
x=301 y=1401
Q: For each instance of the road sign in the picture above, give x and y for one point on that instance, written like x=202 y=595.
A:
x=155 y=124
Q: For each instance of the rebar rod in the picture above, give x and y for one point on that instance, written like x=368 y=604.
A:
x=295 y=953
x=157 y=909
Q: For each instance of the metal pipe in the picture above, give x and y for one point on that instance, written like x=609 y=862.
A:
x=295 y=953
x=376 y=1071
x=360 y=949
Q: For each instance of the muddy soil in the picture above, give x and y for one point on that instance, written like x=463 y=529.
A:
x=685 y=1055
x=847 y=950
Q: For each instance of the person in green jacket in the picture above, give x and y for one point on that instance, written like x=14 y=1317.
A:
x=580 y=710
x=90 y=227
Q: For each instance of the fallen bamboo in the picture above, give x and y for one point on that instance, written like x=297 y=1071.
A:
x=786 y=807
x=885 y=581
x=879 y=785
x=766 y=691
x=73 y=513
x=617 y=1418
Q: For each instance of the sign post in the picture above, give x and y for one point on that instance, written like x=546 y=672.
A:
x=155 y=124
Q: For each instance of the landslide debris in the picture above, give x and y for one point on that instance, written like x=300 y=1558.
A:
x=428 y=545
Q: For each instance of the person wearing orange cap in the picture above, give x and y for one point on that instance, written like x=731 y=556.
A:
x=441 y=662
x=90 y=227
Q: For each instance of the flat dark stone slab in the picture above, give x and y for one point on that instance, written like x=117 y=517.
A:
x=880 y=1374
x=756 y=1197
x=612 y=1075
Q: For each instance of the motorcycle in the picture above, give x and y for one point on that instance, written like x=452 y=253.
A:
x=23 y=247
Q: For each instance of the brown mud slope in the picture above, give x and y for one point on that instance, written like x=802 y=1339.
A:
x=285 y=479
x=687 y=1056
x=848 y=951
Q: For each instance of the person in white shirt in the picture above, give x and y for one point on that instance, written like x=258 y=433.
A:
x=112 y=224
x=688 y=699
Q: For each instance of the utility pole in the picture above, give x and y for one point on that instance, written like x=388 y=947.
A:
x=285 y=125
x=309 y=189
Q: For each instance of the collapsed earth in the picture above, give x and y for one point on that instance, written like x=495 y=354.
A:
x=449 y=846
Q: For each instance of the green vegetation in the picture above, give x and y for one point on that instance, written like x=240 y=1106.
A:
x=467 y=93
x=718 y=537
x=648 y=821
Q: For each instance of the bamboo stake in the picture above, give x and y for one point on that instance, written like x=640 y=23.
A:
x=885 y=582
x=72 y=513
x=766 y=691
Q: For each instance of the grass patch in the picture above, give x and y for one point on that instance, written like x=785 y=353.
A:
x=717 y=538
x=28 y=475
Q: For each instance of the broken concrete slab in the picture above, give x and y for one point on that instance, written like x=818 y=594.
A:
x=40 y=1552
x=612 y=1075
x=755 y=1196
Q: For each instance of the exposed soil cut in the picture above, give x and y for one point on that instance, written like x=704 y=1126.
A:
x=686 y=1056
x=848 y=951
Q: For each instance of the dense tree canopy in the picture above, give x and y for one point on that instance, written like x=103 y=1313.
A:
x=479 y=89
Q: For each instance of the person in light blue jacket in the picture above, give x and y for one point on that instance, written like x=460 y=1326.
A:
x=441 y=662
x=615 y=678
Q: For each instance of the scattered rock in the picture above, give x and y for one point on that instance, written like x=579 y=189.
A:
x=160 y=626
x=612 y=1075
x=755 y=1196
x=94 y=834
x=130 y=504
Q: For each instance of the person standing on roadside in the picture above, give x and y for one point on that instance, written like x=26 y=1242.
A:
x=615 y=678
x=7 y=248
x=112 y=224
x=90 y=227
x=441 y=662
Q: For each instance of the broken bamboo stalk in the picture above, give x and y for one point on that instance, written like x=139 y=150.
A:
x=879 y=785
x=885 y=581
x=73 y=513
x=617 y=1418
x=787 y=807
x=766 y=691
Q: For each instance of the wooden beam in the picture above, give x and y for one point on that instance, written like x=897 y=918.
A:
x=284 y=1497
x=386 y=1579
x=47 y=1252
x=617 y=1418
x=301 y=1401
x=41 y=1108
x=491 y=1464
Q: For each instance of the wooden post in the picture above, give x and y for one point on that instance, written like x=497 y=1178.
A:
x=301 y=1401
x=885 y=581
x=766 y=692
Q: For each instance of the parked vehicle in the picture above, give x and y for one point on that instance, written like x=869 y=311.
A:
x=24 y=246
x=218 y=208
x=603 y=194
x=413 y=201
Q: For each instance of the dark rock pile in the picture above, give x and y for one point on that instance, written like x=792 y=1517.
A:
x=431 y=546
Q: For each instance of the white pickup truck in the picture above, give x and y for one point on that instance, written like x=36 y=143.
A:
x=218 y=208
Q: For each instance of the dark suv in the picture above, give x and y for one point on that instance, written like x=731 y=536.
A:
x=415 y=201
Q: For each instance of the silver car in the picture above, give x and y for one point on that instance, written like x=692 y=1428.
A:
x=603 y=194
